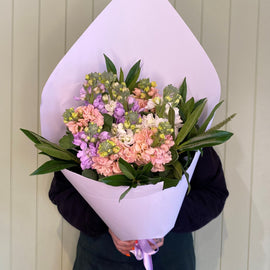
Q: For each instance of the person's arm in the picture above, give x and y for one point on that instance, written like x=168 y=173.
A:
x=74 y=208
x=207 y=196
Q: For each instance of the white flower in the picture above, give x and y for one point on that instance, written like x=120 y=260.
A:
x=110 y=107
x=150 y=104
x=127 y=137
x=149 y=121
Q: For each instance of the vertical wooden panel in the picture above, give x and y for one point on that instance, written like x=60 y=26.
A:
x=99 y=5
x=259 y=251
x=51 y=50
x=79 y=16
x=5 y=109
x=25 y=114
x=191 y=11
x=242 y=62
x=215 y=31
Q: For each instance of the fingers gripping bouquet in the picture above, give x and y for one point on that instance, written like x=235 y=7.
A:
x=131 y=151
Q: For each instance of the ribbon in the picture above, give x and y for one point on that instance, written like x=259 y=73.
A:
x=143 y=250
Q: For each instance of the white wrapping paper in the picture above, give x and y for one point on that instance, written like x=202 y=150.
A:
x=126 y=31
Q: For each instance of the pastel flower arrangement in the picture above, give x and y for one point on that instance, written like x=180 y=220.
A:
x=125 y=133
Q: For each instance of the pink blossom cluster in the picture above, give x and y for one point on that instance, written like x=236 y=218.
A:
x=140 y=153
x=85 y=114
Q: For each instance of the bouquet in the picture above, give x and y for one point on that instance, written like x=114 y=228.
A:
x=124 y=133
x=128 y=148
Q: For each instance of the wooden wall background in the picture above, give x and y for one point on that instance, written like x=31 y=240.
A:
x=35 y=34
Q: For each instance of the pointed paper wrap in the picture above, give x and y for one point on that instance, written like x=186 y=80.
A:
x=126 y=31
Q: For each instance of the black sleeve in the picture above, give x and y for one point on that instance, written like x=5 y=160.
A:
x=74 y=208
x=207 y=196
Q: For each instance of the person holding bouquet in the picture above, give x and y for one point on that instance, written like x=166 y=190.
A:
x=99 y=248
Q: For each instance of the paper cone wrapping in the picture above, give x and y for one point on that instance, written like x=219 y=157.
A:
x=146 y=212
x=126 y=31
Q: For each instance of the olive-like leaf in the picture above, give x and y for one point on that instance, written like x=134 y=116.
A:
x=189 y=124
x=133 y=74
x=110 y=65
x=116 y=180
x=121 y=77
x=205 y=140
x=90 y=174
x=169 y=182
x=183 y=90
x=208 y=119
x=66 y=141
x=55 y=153
x=127 y=169
x=53 y=166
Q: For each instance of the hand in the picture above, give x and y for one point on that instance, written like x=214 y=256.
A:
x=122 y=246
x=159 y=243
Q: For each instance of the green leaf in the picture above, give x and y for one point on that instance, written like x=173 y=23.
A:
x=53 y=166
x=169 y=182
x=177 y=169
x=199 y=102
x=41 y=139
x=116 y=180
x=171 y=117
x=66 y=141
x=208 y=119
x=110 y=65
x=121 y=77
x=188 y=107
x=123 y=195
x=31 y=135
x=46 y=148
x=187 y=178
x=175 y=156
x=145 y=180
x=108 y=121
x=90 y=174
x=189 y=124
x=221 y=124
x=127 y=169
x=205 y=140
x=133 y=75
x=183 y=90
x=147 y=168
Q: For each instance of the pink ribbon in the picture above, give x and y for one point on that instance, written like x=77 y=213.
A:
x=143 y=250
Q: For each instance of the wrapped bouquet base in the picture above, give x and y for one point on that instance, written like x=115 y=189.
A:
x=146 y=212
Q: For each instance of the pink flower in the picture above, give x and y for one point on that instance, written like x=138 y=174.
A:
x=103 y=165
x=90 y=114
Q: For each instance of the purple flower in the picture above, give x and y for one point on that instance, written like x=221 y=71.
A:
x=130 y=100
x=85 y=158
x=104 y=135
x=80 y=140
x=99 y=104
x=119 y=111
x=136 y=107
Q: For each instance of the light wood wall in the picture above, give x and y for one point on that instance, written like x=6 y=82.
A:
x=35 y=34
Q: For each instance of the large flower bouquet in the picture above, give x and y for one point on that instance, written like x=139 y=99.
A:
x=125 y=133
x=127 y=148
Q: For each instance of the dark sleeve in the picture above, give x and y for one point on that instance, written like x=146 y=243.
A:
x=74 y=208
x=207 y=196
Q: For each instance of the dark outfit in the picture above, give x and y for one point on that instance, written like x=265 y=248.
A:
x=95 y=247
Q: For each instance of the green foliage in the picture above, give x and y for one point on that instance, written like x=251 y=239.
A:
x=133 y=75
x=53 y=166
x=66 y=141
x=110 y=65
